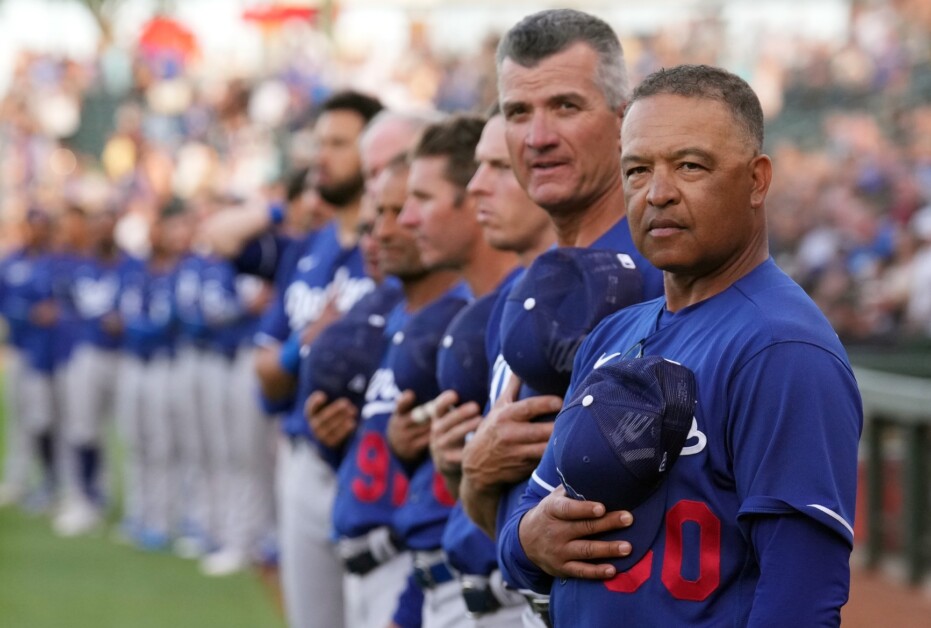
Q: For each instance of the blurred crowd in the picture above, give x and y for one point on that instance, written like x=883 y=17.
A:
x=849 y=123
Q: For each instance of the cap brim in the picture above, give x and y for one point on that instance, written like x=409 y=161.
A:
x=648 y=521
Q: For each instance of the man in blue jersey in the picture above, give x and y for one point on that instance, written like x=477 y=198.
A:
x=151 y=481
x=94 y=282
x=28 y=307
x=767 y=477
x=562 y=89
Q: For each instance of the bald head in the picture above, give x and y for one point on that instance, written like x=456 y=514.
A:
x=388 y=135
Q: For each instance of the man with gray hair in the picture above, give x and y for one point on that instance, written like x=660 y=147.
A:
x=562 y=89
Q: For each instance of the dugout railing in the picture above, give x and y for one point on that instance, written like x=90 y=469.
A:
x=896 y=408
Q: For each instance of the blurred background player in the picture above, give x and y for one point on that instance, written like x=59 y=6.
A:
x=27 y=304
x=151 y=478
x=189 y=385
x=94 y=282
x=237 y=440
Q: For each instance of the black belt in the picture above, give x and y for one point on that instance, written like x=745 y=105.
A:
x=361 y=564
x=366 y=560
x=479 y=599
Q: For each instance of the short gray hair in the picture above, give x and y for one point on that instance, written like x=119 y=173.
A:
x=705 y=81
x=546 y=33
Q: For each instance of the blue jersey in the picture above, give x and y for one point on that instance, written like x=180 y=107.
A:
x=775 y=433
x=248 y=288
x=422 y=517
x=468 y=549
x=65 y=331
x=371 y=482
x=192 y=327
x=221 y=306
x=309 y=276
x=617 y=238
x=94 y=287
x=378 y=303
x=146 y=307
x=25 y=281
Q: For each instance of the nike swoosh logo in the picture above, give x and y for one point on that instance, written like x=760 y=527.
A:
x=605 y=358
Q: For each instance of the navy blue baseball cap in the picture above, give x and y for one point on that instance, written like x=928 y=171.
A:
x=344 y=356
x=461 y=363
x=554 y=306
x=617 y=438
x=414 y=355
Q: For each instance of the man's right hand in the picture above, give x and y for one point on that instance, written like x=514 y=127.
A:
x=507 y=446
x=448 y=432
x=554 y=534
x=505 y=449
x=332 y=423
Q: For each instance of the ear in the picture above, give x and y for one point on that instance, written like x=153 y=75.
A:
x=761 y=175
x=620 y=122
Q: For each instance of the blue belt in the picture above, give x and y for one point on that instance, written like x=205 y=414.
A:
x=430 y=570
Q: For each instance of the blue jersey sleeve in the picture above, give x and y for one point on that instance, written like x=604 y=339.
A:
x=263 y=255
x=273 y=326
x=519 y=571
x=794 y=439
x=804 y=572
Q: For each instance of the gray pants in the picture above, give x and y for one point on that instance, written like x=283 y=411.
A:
x=248 y=514
x=311 y=571
x=91 y=394
x=147 y=428
x=188 y=399
x=19 y=456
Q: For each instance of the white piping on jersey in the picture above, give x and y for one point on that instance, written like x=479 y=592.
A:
x=536 y=478
x=378 y=407
x=833 y=515
x=604 y=359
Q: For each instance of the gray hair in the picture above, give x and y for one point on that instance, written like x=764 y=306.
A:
x=546 y=33
x=705 y=81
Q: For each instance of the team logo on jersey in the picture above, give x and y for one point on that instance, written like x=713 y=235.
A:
x=95 y=297
x=699 y=437
x=381 y=394
x=304 y=303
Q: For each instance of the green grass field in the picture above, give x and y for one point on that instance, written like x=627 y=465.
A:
x=93 y=582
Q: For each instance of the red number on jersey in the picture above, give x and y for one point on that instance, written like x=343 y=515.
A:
x=709 y=556
x=440 y=492
x=373 y=461
x=399 y=490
